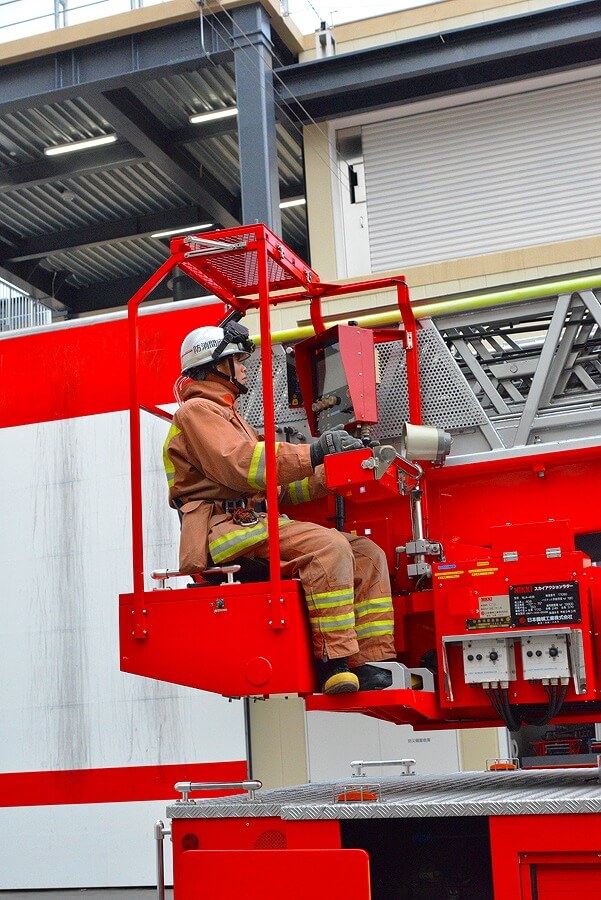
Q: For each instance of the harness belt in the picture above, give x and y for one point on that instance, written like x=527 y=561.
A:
x=229 y=506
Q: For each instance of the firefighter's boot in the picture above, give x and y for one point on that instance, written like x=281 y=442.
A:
x=372 y=678
x=336 y=677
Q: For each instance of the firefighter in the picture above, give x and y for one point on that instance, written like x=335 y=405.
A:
x=215 y=466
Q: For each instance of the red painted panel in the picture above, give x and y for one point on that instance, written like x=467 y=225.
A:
x=261 y=659
x=82 y=371
x=517 y=841
x=255 y=833
x=274 y=874
x=558 y=881
x=114 y=785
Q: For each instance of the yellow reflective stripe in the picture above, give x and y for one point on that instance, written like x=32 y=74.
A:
x=299 y=491
x=332 y=604
x=335 y=623
x=382 y=627
x=343 y=592
x=345 y=617
x=256 y=470
x=368 y=607
x=232 y=543
x=169 y=467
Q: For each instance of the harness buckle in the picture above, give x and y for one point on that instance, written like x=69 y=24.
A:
x=245 y=517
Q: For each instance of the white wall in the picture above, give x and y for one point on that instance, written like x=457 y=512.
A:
x=334 y=740
x=65 y=557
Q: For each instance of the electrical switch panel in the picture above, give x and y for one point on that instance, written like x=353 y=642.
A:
x=545 y=655
x=488 y=660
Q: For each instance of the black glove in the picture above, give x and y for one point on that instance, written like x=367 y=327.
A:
x=336 y=440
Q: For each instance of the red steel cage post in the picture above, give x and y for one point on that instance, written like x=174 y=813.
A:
x=269 y=427
x=134 y=420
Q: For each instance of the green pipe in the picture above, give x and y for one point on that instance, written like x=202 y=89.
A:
x=446 y=307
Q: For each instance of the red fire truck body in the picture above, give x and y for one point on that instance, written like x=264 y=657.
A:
x=497 y=612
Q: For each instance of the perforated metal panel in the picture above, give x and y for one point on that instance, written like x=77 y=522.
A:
x=447 y=399
x=271 y=840
x=251 y=405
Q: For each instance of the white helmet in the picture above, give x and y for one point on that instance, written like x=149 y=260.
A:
x=198 y=348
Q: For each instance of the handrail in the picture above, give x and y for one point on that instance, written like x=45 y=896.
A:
x=186 y=787
x=134 y=419
x=358 y=765
x=436 y=307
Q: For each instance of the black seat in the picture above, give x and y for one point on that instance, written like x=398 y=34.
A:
x=250 y=570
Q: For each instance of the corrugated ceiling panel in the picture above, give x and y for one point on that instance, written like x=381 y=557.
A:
x=176 y=97
x=219 y=155
x=24 y=134
x=484 y=177
x=99 y=197
x=104 y=262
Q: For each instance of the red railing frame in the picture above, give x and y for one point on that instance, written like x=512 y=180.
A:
x=135 y=404
x=310 y=289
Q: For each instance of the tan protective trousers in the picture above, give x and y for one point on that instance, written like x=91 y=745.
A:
x=347 y=588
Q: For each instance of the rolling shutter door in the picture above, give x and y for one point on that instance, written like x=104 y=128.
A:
x=509 y=172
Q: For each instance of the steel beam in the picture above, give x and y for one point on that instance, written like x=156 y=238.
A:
x=256 y=117
x=108 y=65
x=562 y=362
x=103 y=232
x=49 y=169
x=542 y=370
x=592 y=304
x=458 y=60
x=145 y=132
x=39 y=282
x=480 y=375
x=94 y=297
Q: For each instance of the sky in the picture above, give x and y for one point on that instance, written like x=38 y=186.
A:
x=307 y=14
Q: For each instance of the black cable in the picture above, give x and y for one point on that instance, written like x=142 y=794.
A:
x=555 y=703
x=494 y=703
x=561 y=698
x=513 y=717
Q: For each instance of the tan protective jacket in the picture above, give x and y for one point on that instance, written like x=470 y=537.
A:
x=211 y=454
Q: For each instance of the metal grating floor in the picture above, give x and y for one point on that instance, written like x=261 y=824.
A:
x=420 y=796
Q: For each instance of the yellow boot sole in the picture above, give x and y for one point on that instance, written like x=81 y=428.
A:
x=341 y=683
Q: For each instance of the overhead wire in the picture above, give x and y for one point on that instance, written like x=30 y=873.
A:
x=279 y=103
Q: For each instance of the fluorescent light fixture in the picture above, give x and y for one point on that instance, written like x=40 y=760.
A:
x=213 y=116
x=295 y=201
x=74 y=146
x=171 y=231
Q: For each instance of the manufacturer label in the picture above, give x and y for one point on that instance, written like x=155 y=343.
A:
x=551 y=603
x=494 y=613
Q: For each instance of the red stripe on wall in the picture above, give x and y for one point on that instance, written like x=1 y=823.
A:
x=63 y=373
x=116 y=785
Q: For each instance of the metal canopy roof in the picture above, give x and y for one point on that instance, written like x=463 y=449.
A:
x=78 y=227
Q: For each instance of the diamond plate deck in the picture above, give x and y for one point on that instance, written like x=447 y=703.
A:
x=463 y=794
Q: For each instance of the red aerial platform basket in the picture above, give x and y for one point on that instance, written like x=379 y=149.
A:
x=235 y=639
